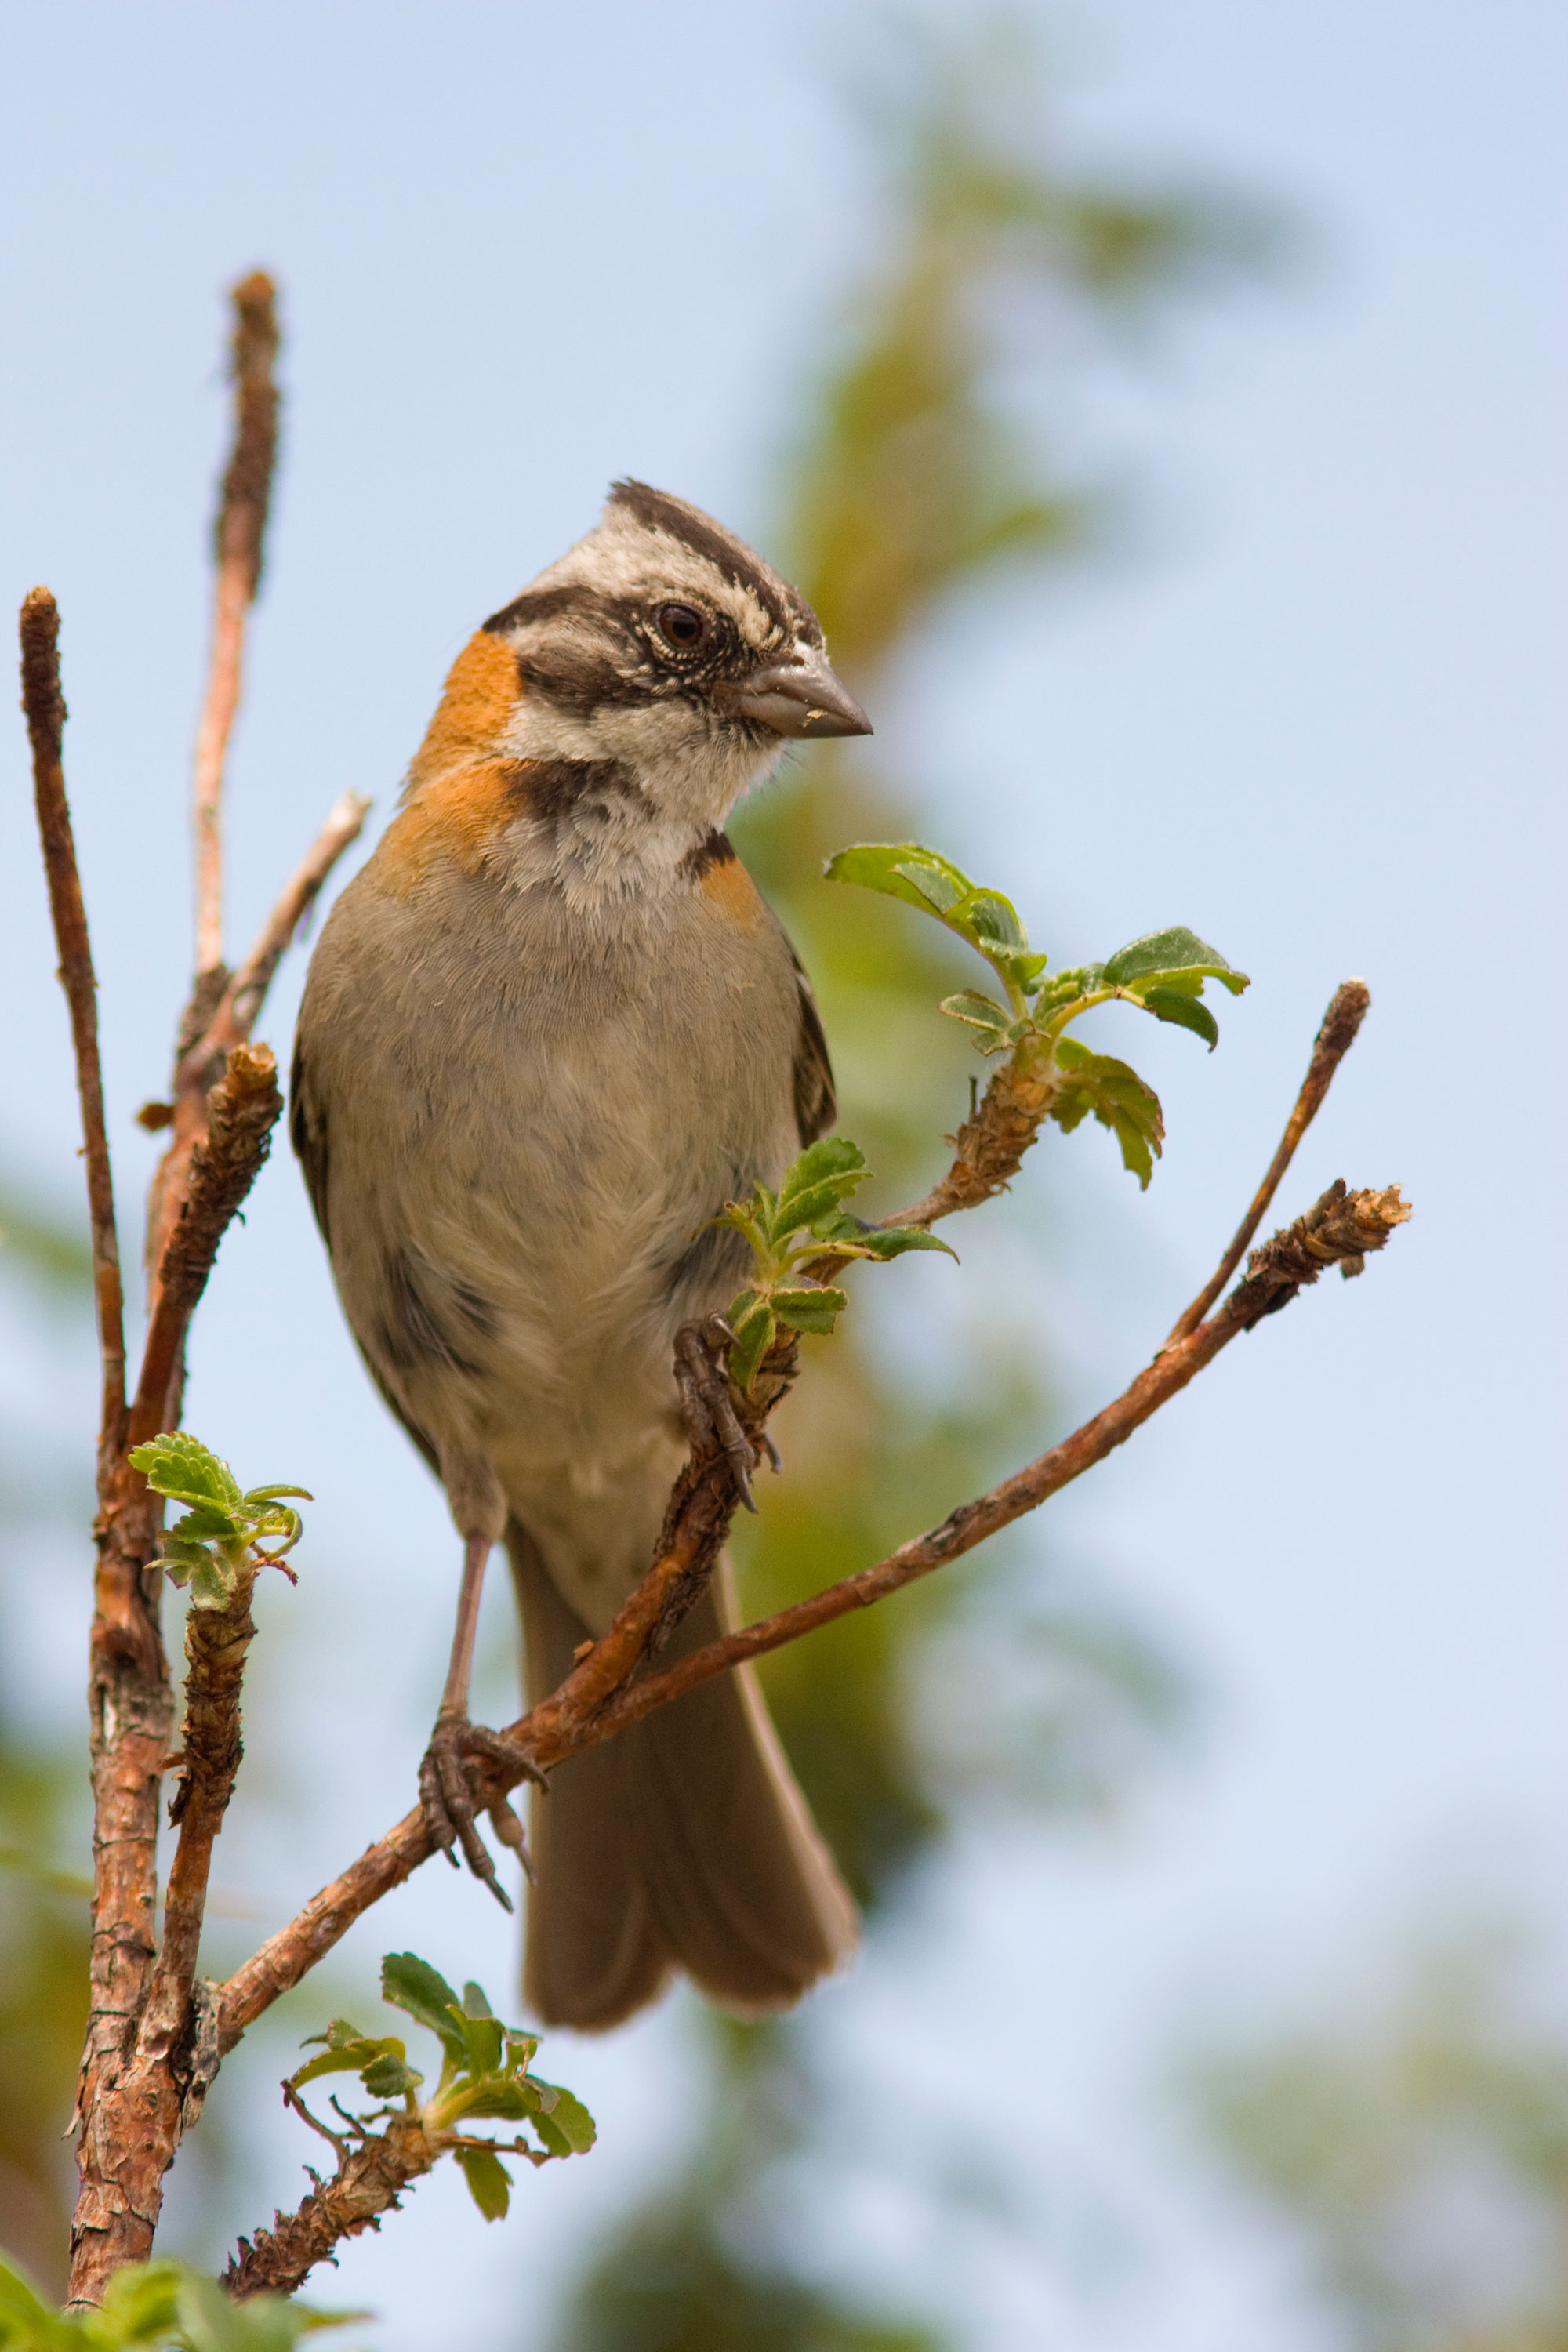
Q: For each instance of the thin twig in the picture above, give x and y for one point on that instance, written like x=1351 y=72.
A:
x=242 y=999
x=1347 y=1010
x=223 y=1013
x=239 y=533
x=1342 y=1227
x=44 y=705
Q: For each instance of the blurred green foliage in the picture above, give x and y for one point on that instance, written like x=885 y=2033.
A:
x=917 y=477
x=1418 y=2148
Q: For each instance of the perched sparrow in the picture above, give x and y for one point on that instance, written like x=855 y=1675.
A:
x=548 y=1031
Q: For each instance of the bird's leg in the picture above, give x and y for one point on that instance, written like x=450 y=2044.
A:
x=446 y=1791
x=707 y=1404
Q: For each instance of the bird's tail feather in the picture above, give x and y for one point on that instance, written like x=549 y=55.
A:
x=684 y=1843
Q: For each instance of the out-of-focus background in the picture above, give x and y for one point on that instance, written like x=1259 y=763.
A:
x=1164 y=408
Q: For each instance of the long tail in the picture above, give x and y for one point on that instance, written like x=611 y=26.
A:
x=683 y=1843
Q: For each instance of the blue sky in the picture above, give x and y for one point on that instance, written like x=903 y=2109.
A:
x=1320 y=716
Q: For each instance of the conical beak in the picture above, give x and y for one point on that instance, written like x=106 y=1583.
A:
x=800 y=697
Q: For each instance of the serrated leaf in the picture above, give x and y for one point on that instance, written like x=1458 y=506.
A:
x=809 y=1307
x=894 y=1241
x=348 y=2057
x=482 y=2038
x=1117 y=1097
x=1187 y=1011
x=490 y=2182
x=390 y=2077
x=938 y=888
x=754 y=1337
x=570 y=2120
x=826 y=1172
x=207 y=1523
x=411 y=1984
x=338 y=2035
x=807 y=1211
x=181 y=1466
x=994 y=919
x=212 y=1584
x=880 y=865
x=980 y=1011
x=1173 y=958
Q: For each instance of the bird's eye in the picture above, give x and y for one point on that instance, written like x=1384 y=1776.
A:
x=681 y=626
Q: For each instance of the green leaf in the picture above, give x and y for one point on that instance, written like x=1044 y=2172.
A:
x=751 y=1320
x=994 y=919
x=209 y=1524
x=389 y=2078
x=490 y=2182
x=1172 y=958
x=826 y=1173
x=980 y=1011
x=894 y=1241
x=568 y=2118
x=482 y=2037
x=905 y=870
x=275 y=1493
x=348 y=2053
x=212 y=1584
x=499 y=2099
x=809 y=1307
x=411 y=1984
x=140 y=2303
x=1118 y=1098
x=1171 y=1005
x=28 y=2322
x=179 y=1465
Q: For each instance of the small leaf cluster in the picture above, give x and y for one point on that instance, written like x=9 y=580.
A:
x=804 y=1220
x=156 y=2307
x=484 y=2077
x=224 y=1531
x=1163 y=974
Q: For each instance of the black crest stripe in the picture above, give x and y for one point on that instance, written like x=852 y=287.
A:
x=657 y=510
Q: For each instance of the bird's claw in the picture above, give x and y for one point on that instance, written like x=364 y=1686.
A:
x=446 y=1796
x=706 y=1401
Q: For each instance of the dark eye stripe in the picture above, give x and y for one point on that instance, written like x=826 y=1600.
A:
x=734 y=561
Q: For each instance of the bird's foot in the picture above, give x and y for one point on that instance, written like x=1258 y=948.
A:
x=450 y=1806
x=709 y=1399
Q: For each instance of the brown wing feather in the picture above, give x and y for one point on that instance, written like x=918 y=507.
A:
x=816 y=1104
x=308 y=1134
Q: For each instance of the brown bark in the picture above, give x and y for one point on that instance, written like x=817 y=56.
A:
x=1348 y=1008
x=240 y=534
x=1340 y=1227
x=369 y=2181
x=45 y=709
x=988 y=1147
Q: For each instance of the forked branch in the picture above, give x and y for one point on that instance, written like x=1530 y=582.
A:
x=601 y=1696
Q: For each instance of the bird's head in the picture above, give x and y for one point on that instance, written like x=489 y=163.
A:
x=661 y=642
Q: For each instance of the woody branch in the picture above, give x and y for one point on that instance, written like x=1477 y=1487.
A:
x=136 y=2072
x=604 y=1693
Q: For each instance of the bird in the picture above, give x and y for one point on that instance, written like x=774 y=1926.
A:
x=548 y=1030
